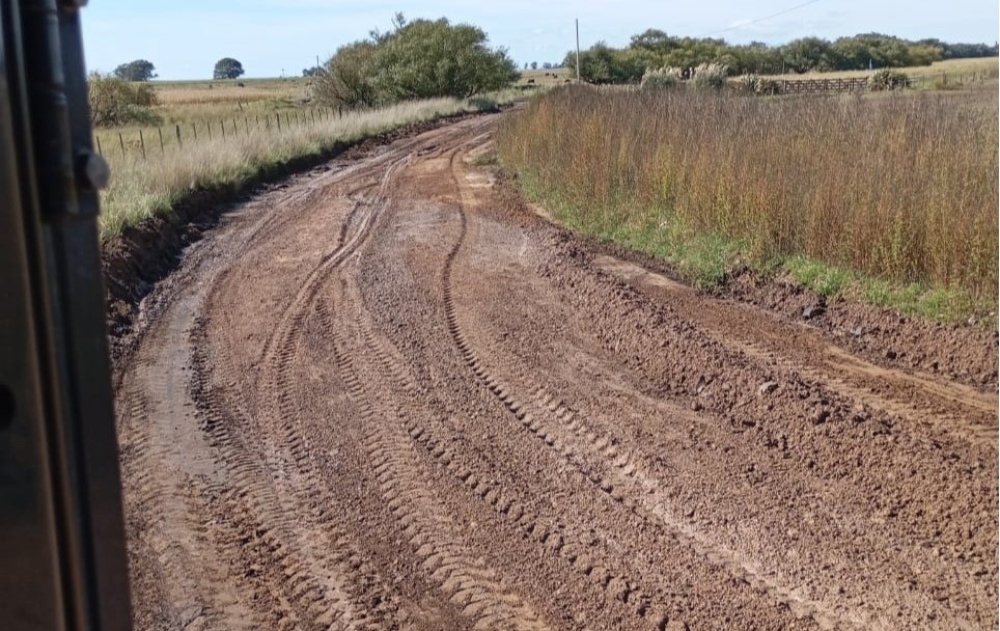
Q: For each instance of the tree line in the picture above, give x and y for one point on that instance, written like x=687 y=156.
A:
x=654 y=48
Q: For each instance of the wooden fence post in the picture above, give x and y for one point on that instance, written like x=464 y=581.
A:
x=121 y=143
x=288 y=122
x=222 y=124
x=277 y=117
x=194 y=129
x=246 y=124
x=177 y=128
x=142 y=144
x=100 y=151
x=159 y=130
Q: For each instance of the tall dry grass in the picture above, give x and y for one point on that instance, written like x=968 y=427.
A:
x=141 y=188
x=901 y=188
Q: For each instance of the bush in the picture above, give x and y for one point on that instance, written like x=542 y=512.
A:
x=660 y=78
x=484 y=104
x=346 y=79
x=115 y=101
x=750 y=83
x=754 y=84
x=710 y=76
x=887 y=79
x=417 y=60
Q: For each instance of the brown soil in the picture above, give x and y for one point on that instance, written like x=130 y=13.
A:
x=389 y=396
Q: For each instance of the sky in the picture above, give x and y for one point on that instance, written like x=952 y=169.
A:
x=271 y=38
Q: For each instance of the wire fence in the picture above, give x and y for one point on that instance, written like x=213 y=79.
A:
x=143 y=142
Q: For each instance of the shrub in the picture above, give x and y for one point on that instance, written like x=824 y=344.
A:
x=115 y=101
x=484 y=104
x=888 y=79
x=417 y=60
x=754 y=84
x=660 y=78
x=347 y=77
x=750 y=83
x=710 y=76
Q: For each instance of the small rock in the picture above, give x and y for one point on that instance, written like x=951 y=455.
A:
x=890 y=354
x=767 y=388
x=821 y=415
x=857 y=331
x=696 y=406
x=813 y=311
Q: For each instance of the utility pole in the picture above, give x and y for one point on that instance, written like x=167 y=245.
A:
x=578 y=50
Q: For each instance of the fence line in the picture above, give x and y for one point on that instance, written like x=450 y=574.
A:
x=132 y=141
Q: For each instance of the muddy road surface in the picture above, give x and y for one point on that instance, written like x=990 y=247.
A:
x=386 y=395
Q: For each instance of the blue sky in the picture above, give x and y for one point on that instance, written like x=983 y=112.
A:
x=185 y=38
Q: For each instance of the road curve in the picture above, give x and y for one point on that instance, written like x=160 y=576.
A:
x=387 y=396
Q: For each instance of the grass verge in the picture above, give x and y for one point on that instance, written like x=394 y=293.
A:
x=890 y=201
x=142 y=188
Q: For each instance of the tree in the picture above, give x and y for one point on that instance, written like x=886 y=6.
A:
x=115 y=101
x=138 y=70
x=315 y=71
x=602 y=64
x=347 y=77
x=426 y=59
x=534 y=65
x=227 y=68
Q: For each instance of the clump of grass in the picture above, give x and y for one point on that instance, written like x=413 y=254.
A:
x=142 y=188
x=711 y=76
x=660 y=78
x=898 y=189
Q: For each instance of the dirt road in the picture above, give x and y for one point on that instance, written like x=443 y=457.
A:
x=387 y=396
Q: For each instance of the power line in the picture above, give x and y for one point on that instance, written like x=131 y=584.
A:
x=763 y=19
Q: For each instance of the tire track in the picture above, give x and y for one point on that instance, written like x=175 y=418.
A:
x=555 y=536
x=322 y=578
x=468 y=582
x=622 y=472
x=327 y=580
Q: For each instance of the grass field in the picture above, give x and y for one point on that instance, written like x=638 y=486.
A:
x=553 y=77
x=891 y=198
x=987 y=67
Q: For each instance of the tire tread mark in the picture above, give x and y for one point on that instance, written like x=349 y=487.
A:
x=538 y=421
x=551 y=536
x=467 y=581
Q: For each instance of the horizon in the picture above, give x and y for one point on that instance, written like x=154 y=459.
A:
x=275 y=39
